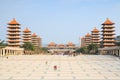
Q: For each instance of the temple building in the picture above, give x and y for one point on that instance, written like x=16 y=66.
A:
x=26 y=35
x=13 y=34
x=87 y=39
x=95 y=36
x=36 y=40
x=61 y=48
x=108 y=32
x=13 y=40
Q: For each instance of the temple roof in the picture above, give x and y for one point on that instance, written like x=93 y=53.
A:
x=70 y=44
x=13 y=22
x=52 y=44
x=95 y=30
x=108 y=22
x=61 y=45
x=26 y=30
x=87 y=35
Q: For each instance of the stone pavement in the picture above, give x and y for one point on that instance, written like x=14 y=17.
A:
x=40 y=67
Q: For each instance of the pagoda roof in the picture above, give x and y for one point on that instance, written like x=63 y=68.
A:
x=13 y=22
x=87 y=35
x=95 y=30
x=26 y=30
x=108 y=22
x=34 y=35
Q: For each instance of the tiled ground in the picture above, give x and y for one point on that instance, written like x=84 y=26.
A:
x=83 y=67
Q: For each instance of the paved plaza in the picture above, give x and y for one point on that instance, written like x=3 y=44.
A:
x=40 y=67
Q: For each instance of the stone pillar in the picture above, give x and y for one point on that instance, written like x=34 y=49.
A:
x=112 y=52
x=119 y=52
x=0 y=52
x=3 y=52
x=14 y=52
x=7 y=52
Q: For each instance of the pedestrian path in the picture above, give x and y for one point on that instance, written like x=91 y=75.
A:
x=41 y=67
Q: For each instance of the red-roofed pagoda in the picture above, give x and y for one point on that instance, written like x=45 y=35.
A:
x=13 y=34
x=96 y=36
x=108 y=39
x=26 y=35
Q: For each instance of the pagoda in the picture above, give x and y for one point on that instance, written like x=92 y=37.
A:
x=39 y=41
x=13 y=34
x=87 y=39
x=26 y=35
x=95 y=36
x=108 y=32
x=36 y=41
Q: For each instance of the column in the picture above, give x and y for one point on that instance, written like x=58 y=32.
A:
x=0 y=52
x=118 y=52
x=3 y=52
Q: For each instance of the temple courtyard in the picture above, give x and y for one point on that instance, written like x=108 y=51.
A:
x=41 y=67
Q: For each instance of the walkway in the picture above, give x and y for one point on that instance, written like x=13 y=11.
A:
x=83 y=67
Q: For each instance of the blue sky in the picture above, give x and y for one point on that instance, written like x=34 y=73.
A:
x=60 y=21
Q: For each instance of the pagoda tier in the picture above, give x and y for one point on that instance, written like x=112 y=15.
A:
x=13 y=34
x=82 y=41
x=39 y=41
x=95 y=36
x=108 y=32
x=26 y=35
x=87 y=39
x=36 y=41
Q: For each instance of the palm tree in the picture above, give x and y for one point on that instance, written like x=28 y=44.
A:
x=2 y=44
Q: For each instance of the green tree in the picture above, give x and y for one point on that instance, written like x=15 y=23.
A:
x=92 y=48
x=78 y=50
x=44 y=50
x=39 y=50
x=2 y=43
x=28 y=46
x=81 y=50
x=117 y=43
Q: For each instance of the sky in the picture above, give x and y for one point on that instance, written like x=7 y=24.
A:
x=59 y=21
